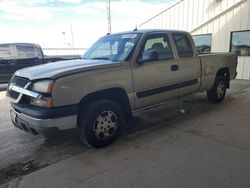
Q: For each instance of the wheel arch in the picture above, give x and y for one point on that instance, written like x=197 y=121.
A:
x=224 y=72
x=118 y=95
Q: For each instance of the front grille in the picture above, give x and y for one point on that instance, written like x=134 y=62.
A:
x=18 y=81
x=13 y=94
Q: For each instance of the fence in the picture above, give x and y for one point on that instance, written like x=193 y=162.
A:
x=64 y=51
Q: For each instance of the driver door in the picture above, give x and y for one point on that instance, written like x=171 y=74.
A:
x=155 y=78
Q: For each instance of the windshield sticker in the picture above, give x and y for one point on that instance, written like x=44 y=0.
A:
x=129 y=36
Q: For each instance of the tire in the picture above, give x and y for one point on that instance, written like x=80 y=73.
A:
x=100 y=123
x=218 y=91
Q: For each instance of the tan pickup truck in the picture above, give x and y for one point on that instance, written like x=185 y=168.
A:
x=120 y=74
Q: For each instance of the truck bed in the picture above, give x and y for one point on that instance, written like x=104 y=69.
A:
x=210 y=63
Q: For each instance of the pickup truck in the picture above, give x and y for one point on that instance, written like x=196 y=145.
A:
x=120 y=74
x=15 y=56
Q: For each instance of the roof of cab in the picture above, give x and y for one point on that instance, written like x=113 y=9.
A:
x=149 y=31
x=21 y=43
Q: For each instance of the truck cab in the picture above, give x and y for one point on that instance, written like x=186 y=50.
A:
x=172 y=62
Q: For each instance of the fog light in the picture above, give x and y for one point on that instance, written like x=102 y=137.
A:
x=42 y=102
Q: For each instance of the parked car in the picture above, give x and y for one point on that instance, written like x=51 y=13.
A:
x=15 y=56
x=120 y=74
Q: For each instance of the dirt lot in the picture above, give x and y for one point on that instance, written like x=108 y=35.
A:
x=184 y=143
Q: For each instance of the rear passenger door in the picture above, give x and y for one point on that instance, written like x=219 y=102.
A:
x=188 y=62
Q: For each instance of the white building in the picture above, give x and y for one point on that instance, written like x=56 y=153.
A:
x=217 y=26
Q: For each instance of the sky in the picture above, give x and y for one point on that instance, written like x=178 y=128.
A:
x=51 y=23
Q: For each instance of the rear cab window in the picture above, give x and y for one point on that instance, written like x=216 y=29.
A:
x=183 y=45
x=26 y=51
x=5 y=51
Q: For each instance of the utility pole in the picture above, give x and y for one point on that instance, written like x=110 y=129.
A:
x=109 y=15
x=63 y=38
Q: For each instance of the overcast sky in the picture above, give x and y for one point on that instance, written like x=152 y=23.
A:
x=44 y=21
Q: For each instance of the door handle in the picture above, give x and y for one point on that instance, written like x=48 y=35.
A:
x=174 y=67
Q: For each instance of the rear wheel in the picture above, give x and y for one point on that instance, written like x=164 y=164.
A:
x=100 y=123
x=218 y=91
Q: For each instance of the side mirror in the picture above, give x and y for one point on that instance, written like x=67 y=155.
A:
x=149 y=55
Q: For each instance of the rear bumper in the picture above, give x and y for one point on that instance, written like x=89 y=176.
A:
x=43 y=121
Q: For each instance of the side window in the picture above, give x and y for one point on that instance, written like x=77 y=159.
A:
x=5 y=51
x=26 y=51
x=240 y=43
x=183 y=45
x=39 y=52
x=159 y=45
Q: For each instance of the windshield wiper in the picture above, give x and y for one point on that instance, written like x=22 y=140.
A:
x=101 y=58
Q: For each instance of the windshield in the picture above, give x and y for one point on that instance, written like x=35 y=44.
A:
x=113 y=47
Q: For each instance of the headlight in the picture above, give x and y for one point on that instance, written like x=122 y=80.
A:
x=44 y=86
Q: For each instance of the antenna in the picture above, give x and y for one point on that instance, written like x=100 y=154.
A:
x=135 y=29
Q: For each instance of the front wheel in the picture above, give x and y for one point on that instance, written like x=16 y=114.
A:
x=100 y=123
x=218 y=91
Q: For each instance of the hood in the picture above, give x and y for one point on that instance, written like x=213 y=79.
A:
x=62 y=68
